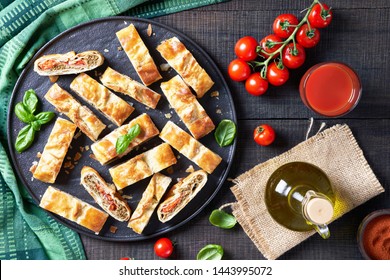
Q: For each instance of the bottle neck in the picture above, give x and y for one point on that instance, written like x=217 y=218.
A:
x=317 y=209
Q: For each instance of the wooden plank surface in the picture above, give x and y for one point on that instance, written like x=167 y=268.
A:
x=359 y=36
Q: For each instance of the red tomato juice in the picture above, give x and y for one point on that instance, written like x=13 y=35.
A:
x=330 y=89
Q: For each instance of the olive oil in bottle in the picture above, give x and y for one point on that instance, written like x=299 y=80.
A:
x=299 y=196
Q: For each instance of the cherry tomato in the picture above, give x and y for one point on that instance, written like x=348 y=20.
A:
x=284 y=25
x=293 y=56
x=277 y=74
x=256 y=85
x=239 y=70
x=246 y=48
x=270 y=44
x=264 y=135
x=320 y=16
x=307 y=37
x=163 y=247
x=125 y=258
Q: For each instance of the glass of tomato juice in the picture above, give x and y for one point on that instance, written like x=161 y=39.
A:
x=330 y=89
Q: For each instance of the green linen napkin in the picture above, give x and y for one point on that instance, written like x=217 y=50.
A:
x=26 y=231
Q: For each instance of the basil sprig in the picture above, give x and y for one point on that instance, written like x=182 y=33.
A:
x=210 y=252
x=225 y=133
x=123 y=142
x=222 y=219
x=25 y=112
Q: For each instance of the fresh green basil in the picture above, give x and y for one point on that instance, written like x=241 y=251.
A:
x=36 y=125
x=45 y=117
x=23 y=114
x=225 y=133
x=123 y=142
x=210 y=252
x=25 y=138
x=30 y=101
x=222 y=219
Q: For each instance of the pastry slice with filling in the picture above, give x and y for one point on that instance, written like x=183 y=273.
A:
x=105 y=149
x=182 y=60
x=68 y=63
x=187 y=107
x=53 y=154
x=104 y=194
x=189 y=147
x=138 y=54
x=113 y=107
x=88 y=123
x=142 y=166
x=126 y=85
x=149 y=201
x=181 y=194
x=73 y=209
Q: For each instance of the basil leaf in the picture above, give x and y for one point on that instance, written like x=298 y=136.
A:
x=222 y=219
x=23 y=114
x=210 y=252
x=25 y=138
x=36 y=125
x=123 y=142
x=30 y=100
x=225 y=133
x=44 y=117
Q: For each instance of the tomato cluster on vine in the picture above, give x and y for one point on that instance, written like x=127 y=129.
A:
x=268 y=61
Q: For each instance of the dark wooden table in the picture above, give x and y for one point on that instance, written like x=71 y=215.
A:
x=359 y=36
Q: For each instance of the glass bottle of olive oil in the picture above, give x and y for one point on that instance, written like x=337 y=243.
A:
x=299 y=196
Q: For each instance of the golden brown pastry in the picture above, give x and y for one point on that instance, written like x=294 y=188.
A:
x=180 y=195
x=68 y=63
x=113 y=107
x=149 y=201
x=53 y=154
x=189 y=147
x=180 y=58
x=142 y=166
x=104 y=194
x=105 y=149
x=80 y=115
x=138 y=54
x=73 y=209
x=187 y=107
x=126 y=85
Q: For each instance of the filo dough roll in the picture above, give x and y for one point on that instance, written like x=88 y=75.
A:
x=181 y=194
x=104 y=194
x=149 y=201
x=68 y=63
x=73 y=209
x=53 y=154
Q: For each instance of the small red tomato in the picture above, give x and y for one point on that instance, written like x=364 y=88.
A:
x=245 y=48
x=320 y=16
x=256 y=85
x=239 y=70
x=125 y=258
x=264 y=135
x=270 y=44
x=277 y=74
x=293 y=56
x=163 y=247
x=284 y=25
x=308 y=37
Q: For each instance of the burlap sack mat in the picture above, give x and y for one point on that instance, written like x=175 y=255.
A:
x=337 y=153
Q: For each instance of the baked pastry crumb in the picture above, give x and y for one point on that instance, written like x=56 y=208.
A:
x=149 y=31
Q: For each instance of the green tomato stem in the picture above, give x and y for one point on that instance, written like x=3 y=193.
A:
x=289 y=39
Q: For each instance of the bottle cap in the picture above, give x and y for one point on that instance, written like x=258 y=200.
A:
x=319 y=210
